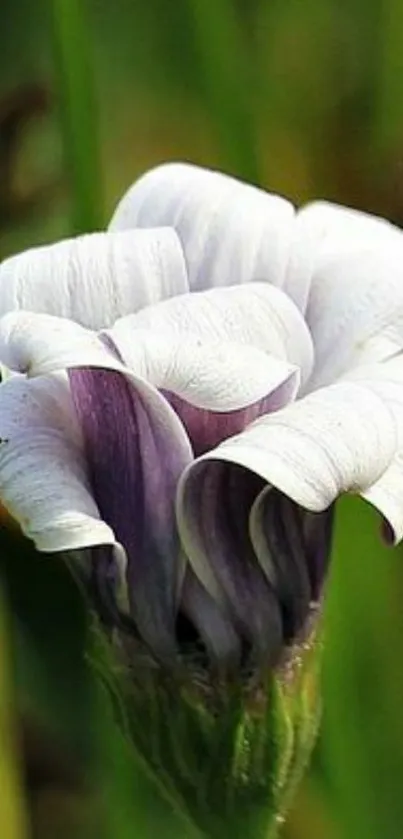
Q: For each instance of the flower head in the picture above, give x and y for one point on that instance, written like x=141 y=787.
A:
x=200 y=383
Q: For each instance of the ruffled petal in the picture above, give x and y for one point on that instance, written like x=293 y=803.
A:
x=43 y=478
x=213 y=355
x=135 y=450
x=231 y=232
x=95 y=279
x=215 y=389
x=207 y=428
x=386 y=494
x=256 y=314
x=351 y=265
x=38 y=344
x=218 y=376
x=339 y=439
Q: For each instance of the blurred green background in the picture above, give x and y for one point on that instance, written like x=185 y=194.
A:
x=305 y=99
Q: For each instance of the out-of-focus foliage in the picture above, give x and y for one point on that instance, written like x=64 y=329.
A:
x=13 y=816
x=305 y=99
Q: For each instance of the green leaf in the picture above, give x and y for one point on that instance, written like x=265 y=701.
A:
x=363 y=732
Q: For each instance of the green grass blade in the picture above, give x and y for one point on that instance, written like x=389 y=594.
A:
x=74 y=77
x=388 y=115
x=225 y=66
x=13 y=818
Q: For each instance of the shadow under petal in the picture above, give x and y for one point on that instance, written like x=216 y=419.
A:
x=221 y=496
x=281 y=521
x=211 y=624
x=207 y=429
x=318 y=532
x=293 y=546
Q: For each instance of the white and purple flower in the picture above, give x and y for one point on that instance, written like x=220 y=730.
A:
x=200 y=383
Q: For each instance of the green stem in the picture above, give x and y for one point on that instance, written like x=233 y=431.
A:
x=78 y=111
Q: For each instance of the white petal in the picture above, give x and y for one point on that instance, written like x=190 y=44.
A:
x=43 y=344
x=97 y=278
x=43 y=482
x=38 y=344
x=43 y=477
x=386 y=494
x=341 y=438
x=215 y=386
x=220 y=375
x=353 y=265
x=256 y=314
x=231 y=233
x=338 y=439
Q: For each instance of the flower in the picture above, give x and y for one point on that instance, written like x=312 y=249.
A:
x=197 y=394
x=192 y=391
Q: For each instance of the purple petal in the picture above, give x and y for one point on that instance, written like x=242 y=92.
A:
x=223 y=496
x=206 y=429
x=212 y=624
x=282 y=523
x=134 y=462
x=318 y=531
x=104 y=588
x=298 y=543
